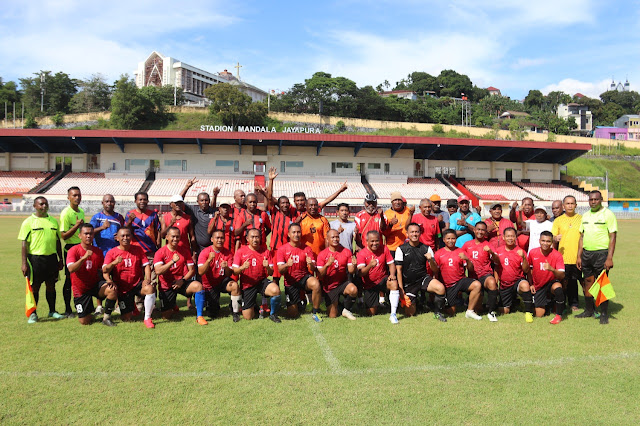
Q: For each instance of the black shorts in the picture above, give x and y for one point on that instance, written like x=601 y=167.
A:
x=463 y=284
x=413 y=289
x=508 y=295
x=84 y=303
x=43 y=268
x=571 y=272
x=168 y=297
x=333 y=296
x=127 y=301
x=293 y=292
x=372 y=295
x=593 y=262
x=483 y=278
x=213 y=294
x=249 y=294
x=540 y=298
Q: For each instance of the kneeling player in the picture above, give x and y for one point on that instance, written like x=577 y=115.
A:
x=295 y=262
x=174 y=266
x=547 y=273
x=413 y=276
x=511 y=265
x=253 y=264
x=84 y=262
x=127 y=265
x=480 y=252
x=378 y=275
x=333 y=264
x=214 y=268
x=451 y=262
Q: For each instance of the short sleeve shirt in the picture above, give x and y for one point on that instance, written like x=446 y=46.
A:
x=184 y=225
x=535 y=229
x=569 y=228
x=90 y=272
x=227 y=229
x=596 y=227
x=396 y=234
x=105 y=239
x=260 y=221
x=216 y=273
x=146 y=227
x=200 y=221
x=177 y=270
x=314 y=232
x=480 y=258
x=379 y=270
x=346 y=236
x=413 y=261
x=336 y=273
x=366 y=222
x=280 y=227
x=299 y=255
x=472 y=218
x=451 y=265
x=539 y=274
x=430 y=229
x=128 y=273
x=42 y=234
x=496 y=235
x=68 y=218
x=510 y=266
x=256 y=273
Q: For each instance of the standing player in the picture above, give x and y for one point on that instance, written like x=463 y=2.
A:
x=546 y=274
x=596 y=246
x=200 y=214
x=519 y=217
x=414 y=276
x=41 y=254
x=84 y=262
x=334 y=263
x=378 y=273
x=451 y=262
x=128 y=267
x=250 y=218
x=253 y=264
x=175 y=270
x=463 y=221
x=566 y=235
x=429 y=225
x=106 y=223
x=345 y=228
x=145 y=225
x=496 y=224
x=223 y=221
x=511 y=266
x=369 y=219
x=214 y=266
x=71 y=218
x=398 y=218
x=296 y=263
x=481 y=255
x=314 y=227
x=177 y=218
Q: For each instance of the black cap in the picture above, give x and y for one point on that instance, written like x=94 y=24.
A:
x=452 y=202
x=370 y=197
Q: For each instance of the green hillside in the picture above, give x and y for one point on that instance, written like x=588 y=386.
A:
x=624 y=175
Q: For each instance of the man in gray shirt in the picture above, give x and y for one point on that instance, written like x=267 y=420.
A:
x=344 y=227
x=201 y=214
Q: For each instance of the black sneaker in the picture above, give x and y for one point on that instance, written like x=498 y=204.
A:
x=69 y=314
x=236 y=317
x=604 y=318
x=439 y=317
x=275 y=319
x=108 y=323
x=585 y=314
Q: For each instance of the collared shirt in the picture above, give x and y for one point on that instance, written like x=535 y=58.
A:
x=472 y=218
x=569 y=228
x=596 y=227
x=68 y=218
x=346 y=236
x=200 y=222
x=105 y=239
x=42 y=234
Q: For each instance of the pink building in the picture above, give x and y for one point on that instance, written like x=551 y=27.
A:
x=617 y=133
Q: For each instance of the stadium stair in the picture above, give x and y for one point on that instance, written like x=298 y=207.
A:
x=475 y=200
x=446 y=183
x=535 y=197
x=150 y=178
x=49 y=182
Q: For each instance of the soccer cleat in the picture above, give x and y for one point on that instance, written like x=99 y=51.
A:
x=149 y=323
x=99 y=310
x=275 y=319
x=528 y=317
x=348 y=315
x=471 y=314
x=108 y=322
x=585 y=314
x=393 y=318
x=56 y=315
x=236 y=317
x=439 y=316
x=604 y=318
x=33 y=318
x=556 y=319
x=316 y=317
x=201 y=321
x=492 y=317
x=261 y=316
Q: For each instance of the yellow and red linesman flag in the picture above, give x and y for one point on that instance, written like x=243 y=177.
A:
x=30 y=303
x=602 y=290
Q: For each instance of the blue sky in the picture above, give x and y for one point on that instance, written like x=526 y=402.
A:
x=570 y=45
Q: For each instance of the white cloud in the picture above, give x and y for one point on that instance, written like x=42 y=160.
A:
x=572 y=86
x=528 y=62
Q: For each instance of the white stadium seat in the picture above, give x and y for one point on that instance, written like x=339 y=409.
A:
x=20 y=182
x=98 y=184
x=552 y=191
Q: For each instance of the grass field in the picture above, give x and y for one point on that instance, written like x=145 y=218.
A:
x=336 y=372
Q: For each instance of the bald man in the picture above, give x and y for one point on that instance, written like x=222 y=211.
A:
x=557 y=210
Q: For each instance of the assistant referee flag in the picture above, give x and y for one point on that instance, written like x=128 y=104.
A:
x=30 y=303
x=602 y=290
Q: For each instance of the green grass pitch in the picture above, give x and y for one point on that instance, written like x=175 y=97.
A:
x=336 y=372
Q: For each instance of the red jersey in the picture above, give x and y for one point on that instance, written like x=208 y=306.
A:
x=379 y=271
x=260 y=221
x=294 y=273
x=256 y=273
x=523 y=239
x=177 y=270
x=510 y=267
x=430 y=227
x=216 y=273
x=280 y=228
x=450 y=264
x=128 y=273
x=496 y=237
x=337 y=272
x=481 y=259
x=537 y=259
x=184 y=225
x=85 y=278
x=366 y=222
x=227 y=228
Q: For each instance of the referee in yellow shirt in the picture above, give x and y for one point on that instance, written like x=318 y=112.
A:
x=597 y=243
x=566 y=237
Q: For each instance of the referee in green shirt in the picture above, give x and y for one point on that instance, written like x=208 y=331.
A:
x=41 y=254
x=71 y=219
x=597 y=243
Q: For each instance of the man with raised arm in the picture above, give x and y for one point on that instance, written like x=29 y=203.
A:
x=250 y=218
x=314 y=227
x=201 y=214
x=177 y=218
x=334 y=264
x=520 y=217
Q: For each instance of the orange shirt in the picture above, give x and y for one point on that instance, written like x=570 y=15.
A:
x=314 y=232
x=397 y=234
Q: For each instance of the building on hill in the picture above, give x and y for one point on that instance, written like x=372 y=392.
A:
x=510 y=115
x=615 y=133
x=578 y=95
x=630 y=122
x=626 y=87
x=404 y=94
x=581 y=115
x=161 y=70
x=494 y=91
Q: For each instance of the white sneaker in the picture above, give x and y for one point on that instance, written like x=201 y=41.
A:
x=99 y=310
x=393 y=318
x=471 y=314
x=492 y=317
x=381 y=300
x=348 y=315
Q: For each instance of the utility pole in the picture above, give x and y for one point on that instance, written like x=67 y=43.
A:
x=42 y=80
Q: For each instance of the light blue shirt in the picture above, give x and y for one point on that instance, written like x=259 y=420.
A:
x=472 y=219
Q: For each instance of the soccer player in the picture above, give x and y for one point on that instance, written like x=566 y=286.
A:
x=71 y=218
x=239 y=202
x=84 y=262
x=496 y=224
x=334 y=263
x=345 y=228
x=537 y=226
x=414 y=276
x=596 y=246
x=129 y=268
x=450 y=262
x=145 y=225
x=201 y=214
x=223 y=221
x=519 y=217
x=250 y=218
x=296 y=263
x=463 y=221
x=481 y=255
x=214 y=266
x=546 y=273
x=398 y=218
x=378 y=273
x=566 y=235
x=253 y=264
x=369 y=219
x=429 y=225
x=106 y=223
x=314 y=227
x=177 y=218
x=556 y=210
x=175 y=270
x=511 y=266
x=41 y=254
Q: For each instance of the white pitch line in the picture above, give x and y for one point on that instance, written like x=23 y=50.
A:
x=332 y=361
x=335 y=369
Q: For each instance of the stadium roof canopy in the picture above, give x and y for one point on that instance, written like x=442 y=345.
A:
x=434 y=148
